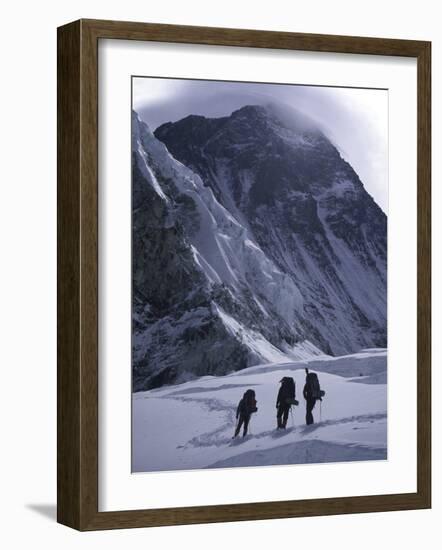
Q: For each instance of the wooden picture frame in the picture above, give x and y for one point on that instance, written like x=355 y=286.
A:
x=78 y=274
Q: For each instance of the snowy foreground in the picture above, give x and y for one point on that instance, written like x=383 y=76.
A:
x=190 y=425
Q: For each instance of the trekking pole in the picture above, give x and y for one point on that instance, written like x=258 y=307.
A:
x=236 y=426
x=291 y=414
x=320 y=411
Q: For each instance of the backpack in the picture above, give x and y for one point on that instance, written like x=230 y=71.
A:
x=250 y=401
x=314 y=389
x=289 y=390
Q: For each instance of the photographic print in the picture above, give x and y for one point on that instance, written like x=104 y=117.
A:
x=259 y=274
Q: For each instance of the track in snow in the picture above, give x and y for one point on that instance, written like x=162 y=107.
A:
x=190 y=426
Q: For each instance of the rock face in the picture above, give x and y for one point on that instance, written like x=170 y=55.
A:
x=253 y=242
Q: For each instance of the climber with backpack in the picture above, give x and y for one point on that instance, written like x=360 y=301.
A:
x=312 y=392
x=246 y=407
x=286 y=398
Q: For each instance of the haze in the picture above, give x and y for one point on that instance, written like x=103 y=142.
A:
x=356 y=120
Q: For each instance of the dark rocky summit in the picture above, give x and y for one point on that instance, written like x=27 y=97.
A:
x=253 y=241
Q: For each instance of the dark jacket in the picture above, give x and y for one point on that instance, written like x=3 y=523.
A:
x=242 y=409
x=307 y=393
x=286 y=391
x=246 y=406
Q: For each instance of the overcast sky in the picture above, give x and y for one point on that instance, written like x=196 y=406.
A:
x=356 y=120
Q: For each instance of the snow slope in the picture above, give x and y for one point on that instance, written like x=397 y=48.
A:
x=190 y=426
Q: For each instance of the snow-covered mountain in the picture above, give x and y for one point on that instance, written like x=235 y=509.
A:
x=253 y=242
